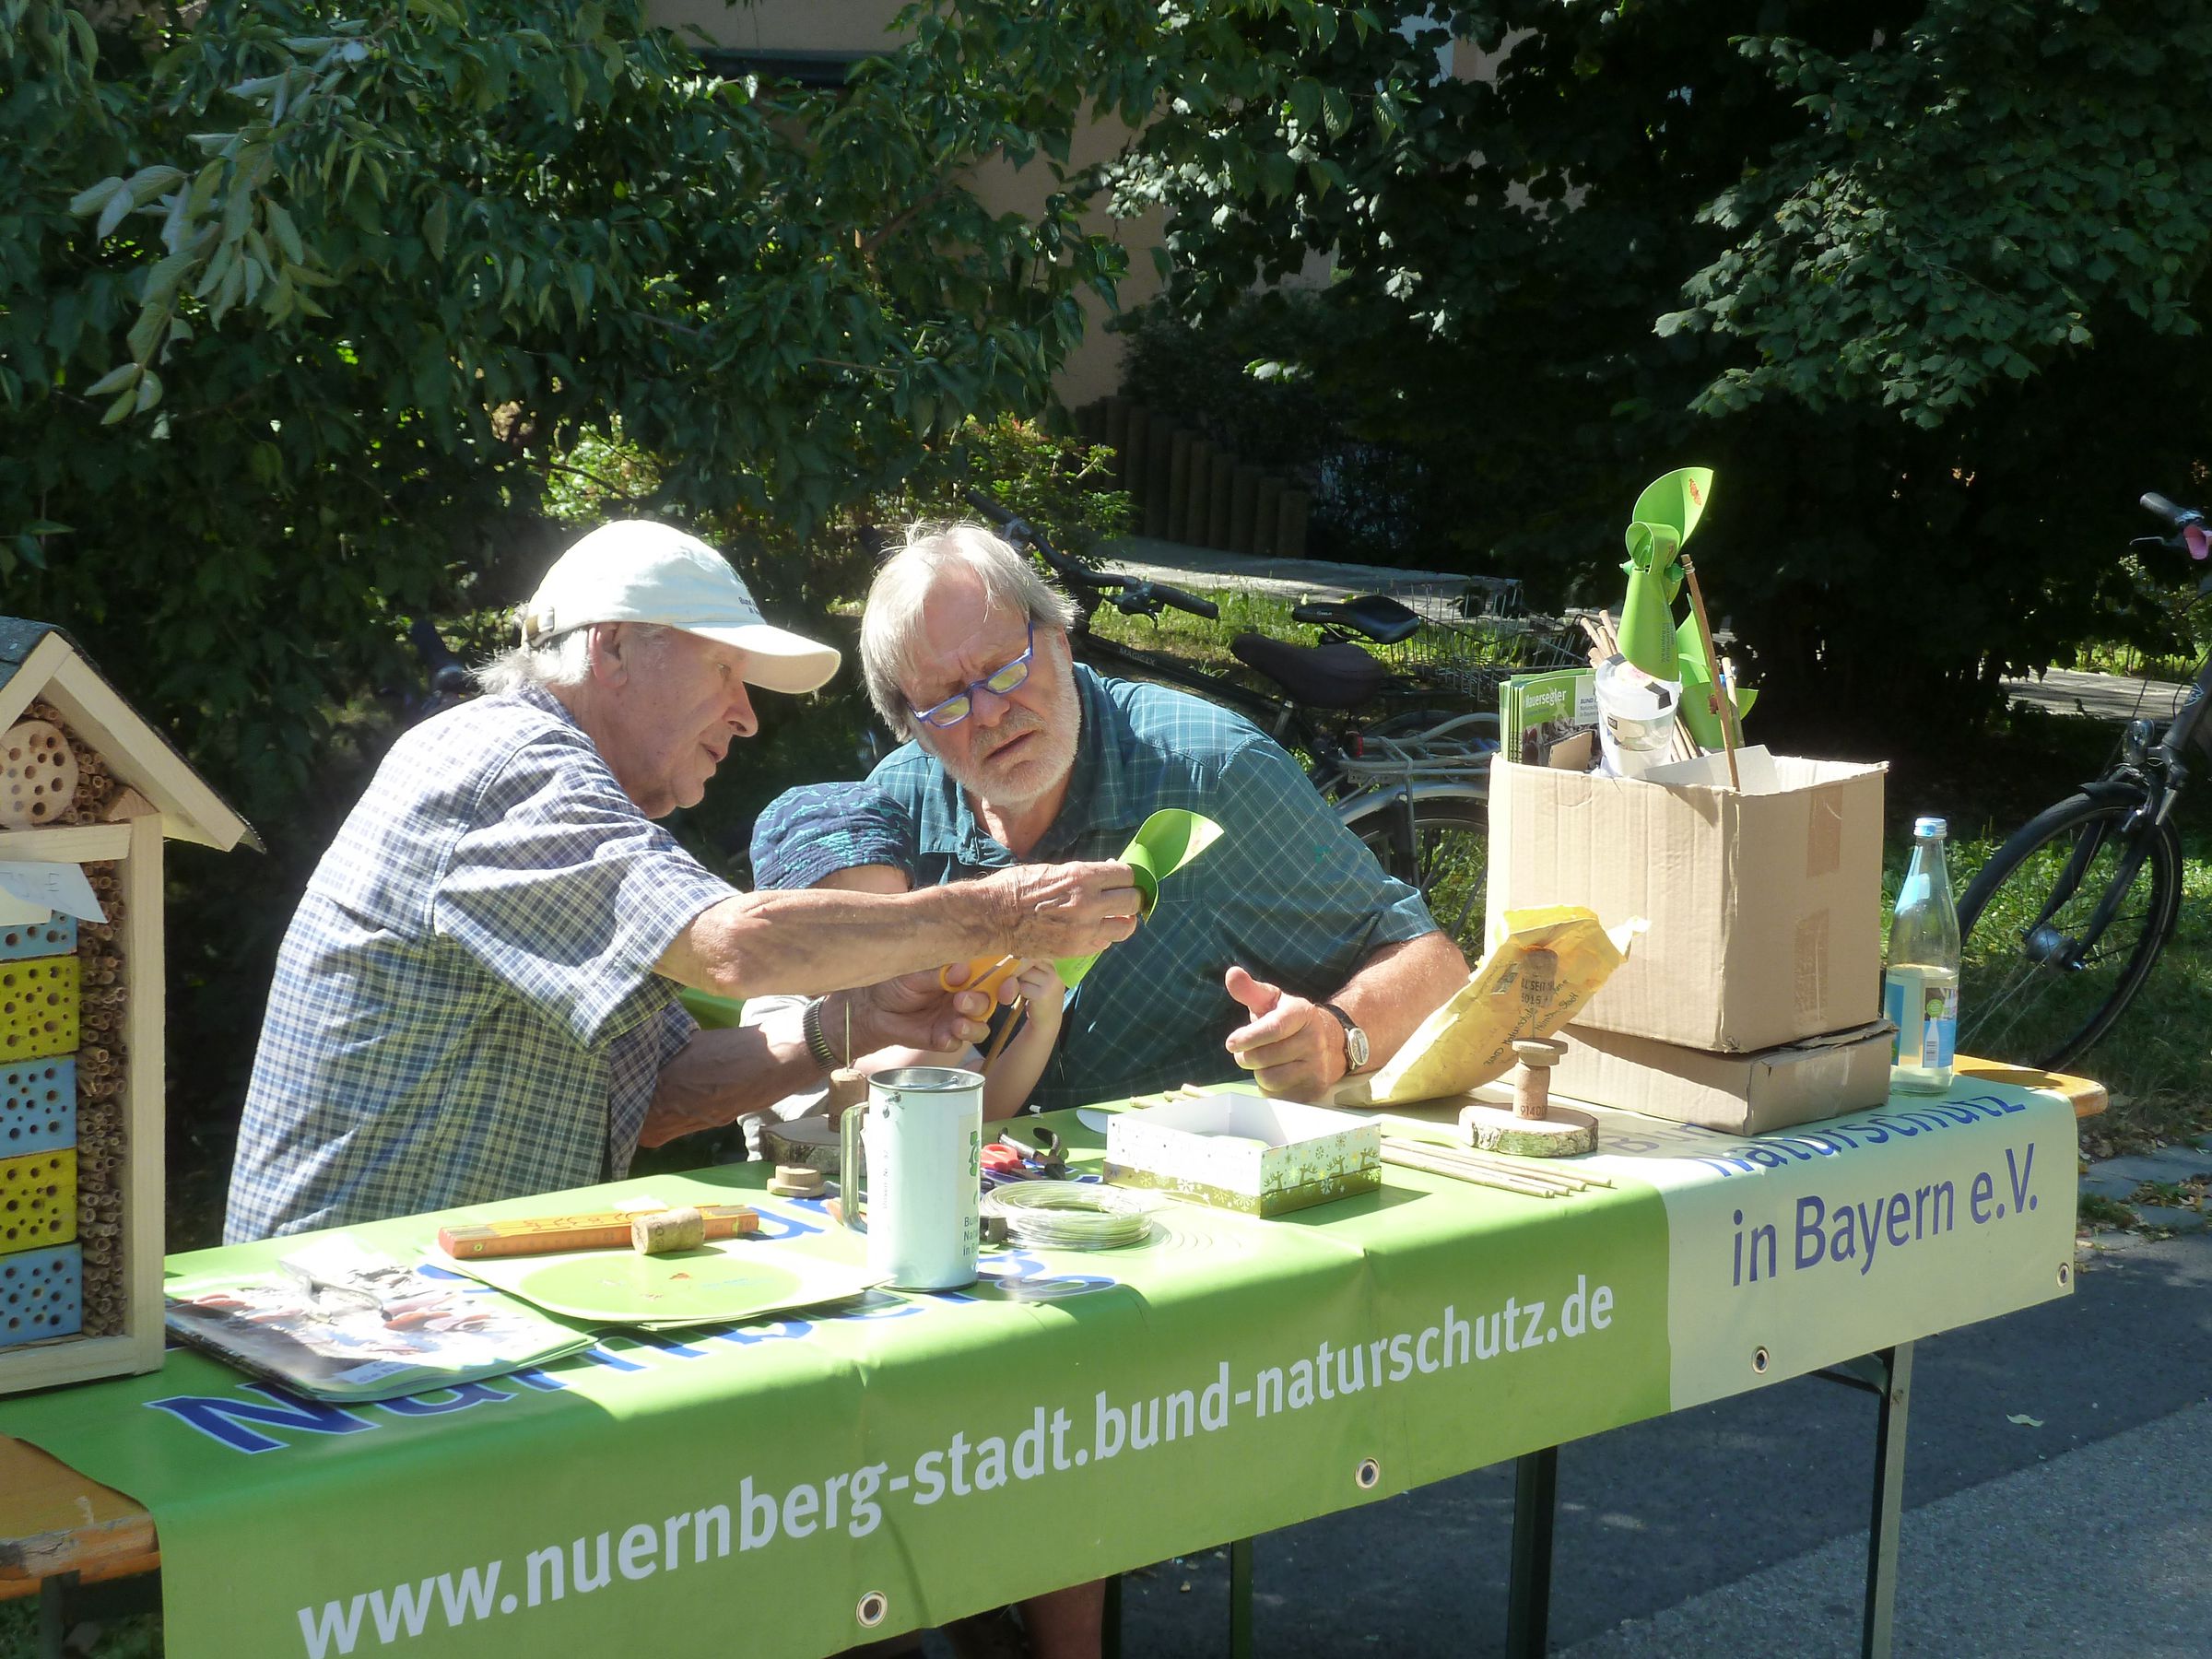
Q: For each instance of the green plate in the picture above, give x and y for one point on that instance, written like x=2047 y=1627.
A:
x=724 y=1282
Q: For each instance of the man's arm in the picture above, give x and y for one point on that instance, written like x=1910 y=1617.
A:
x=720 y=1074
x=1295 y=1047
x=810 y=942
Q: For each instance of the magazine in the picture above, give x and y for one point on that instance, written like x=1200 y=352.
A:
x=1550 y=719
x=336 y=1321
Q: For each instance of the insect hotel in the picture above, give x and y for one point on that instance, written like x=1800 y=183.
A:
x=89 y=790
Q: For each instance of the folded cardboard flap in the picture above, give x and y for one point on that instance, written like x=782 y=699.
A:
x=1737 y=1094
x=1765 y=902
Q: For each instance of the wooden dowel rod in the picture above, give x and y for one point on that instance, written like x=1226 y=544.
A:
x=1724 y=706
x=1467 y=1172
x=1497 y=1164
x=1021 y=1008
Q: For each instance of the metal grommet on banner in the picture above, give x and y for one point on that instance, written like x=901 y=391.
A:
x=2066 y=1272
x=1759 y=1361
x=1369 y=1475
x=873 y=1607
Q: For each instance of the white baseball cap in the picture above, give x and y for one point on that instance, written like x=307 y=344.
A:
x=636 y=571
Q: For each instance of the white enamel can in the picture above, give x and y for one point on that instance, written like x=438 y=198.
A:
x=923 y=1131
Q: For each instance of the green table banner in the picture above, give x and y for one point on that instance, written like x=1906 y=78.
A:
x=784 y=1482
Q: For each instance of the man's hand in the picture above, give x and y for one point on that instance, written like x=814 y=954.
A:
x=910 y=1012
x=1290 y=1046
x=1050 y=910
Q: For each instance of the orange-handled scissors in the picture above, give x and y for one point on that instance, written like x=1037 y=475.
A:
x=986 y=974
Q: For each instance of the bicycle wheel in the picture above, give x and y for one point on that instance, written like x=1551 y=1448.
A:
x=1446 y=857
x=2028 y=991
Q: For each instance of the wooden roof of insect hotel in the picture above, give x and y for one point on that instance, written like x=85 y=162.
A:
x=39 y=660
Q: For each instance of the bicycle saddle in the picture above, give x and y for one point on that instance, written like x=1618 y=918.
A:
x=1378 y=615
x=1336 y=676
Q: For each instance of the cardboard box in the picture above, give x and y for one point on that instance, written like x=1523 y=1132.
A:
x=1738 y=1094
x=1245 y=1152
x=1765 y=904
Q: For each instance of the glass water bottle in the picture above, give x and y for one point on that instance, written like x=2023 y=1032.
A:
x=1920 y=986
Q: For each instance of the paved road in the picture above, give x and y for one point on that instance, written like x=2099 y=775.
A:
x=1738 y=1529
x=2099 y=695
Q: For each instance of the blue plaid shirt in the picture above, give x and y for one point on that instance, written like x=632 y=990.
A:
x=465 y=1006
x=1287 y=892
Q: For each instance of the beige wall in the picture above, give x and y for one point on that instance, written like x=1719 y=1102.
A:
x=1094 y=369
x=781 y=25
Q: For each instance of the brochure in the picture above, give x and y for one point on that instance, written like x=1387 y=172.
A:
x=1550 y=719
x=340 y=1323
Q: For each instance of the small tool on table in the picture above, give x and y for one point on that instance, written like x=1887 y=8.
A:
x=601 y=1229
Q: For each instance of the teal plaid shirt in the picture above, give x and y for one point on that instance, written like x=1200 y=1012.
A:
x=1287 y=892
x=465 y=1006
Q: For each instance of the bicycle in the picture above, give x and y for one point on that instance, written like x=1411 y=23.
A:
x=2061 y=928
x=1414 y=785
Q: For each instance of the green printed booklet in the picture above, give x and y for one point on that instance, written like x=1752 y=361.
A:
x=1550 y=719
x=335 y=1321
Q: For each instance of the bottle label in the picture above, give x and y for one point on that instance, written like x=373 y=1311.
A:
x=1925 y=1010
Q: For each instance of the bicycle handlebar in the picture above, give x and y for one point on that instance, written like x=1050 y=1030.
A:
x=2174 y=518
x=1183 y=601
x=1131 y=598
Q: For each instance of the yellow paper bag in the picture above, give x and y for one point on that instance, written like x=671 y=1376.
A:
x=1537 y=976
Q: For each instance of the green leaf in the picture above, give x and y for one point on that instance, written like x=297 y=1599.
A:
x=91 y=199
x=118 y=379
x=1337 y=110
x=286 y=233
x=119 y=205
x=149 y=182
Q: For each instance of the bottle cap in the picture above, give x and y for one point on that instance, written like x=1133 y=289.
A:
x=1926 y=827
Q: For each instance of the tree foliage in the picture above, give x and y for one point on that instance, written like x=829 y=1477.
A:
x=1920 y=279
x=300 y=304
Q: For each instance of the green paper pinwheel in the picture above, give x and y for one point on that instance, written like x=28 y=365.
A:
x=1666 y=514
x=1163 y=844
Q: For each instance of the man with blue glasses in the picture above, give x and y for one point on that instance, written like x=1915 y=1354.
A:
x=1286 y=951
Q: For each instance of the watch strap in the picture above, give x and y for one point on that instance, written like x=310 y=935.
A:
x=818 y=1045
x=1355 y=1040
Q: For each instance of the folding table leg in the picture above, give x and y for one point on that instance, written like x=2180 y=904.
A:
x=53 y=1616
x=1110 y=1622
x=1239 y=1599
x=1896 y=1368
x=1528 y=1604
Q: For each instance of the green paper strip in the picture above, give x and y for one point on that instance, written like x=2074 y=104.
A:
x=1168 y=840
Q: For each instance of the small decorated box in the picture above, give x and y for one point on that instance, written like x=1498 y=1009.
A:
x=1245 y=1152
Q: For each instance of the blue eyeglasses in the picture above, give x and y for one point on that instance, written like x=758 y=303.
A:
x=999 y=681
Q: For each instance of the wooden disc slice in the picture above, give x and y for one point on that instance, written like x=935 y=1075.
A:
x=811 y=1141
x=1565 y=1132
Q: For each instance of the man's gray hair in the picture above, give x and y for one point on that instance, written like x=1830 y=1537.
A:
x=549 y=664
x=891 y=624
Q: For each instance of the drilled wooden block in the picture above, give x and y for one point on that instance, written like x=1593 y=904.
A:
x=38 y=1008
x=38 y=1106
x=38 y=1201
x=41 y=1295
x=54 y=936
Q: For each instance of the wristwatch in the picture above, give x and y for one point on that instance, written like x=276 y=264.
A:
x=818 y=1045
x=1355 y=1040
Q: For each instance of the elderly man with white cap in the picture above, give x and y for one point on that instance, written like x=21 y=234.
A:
x=476 y=997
